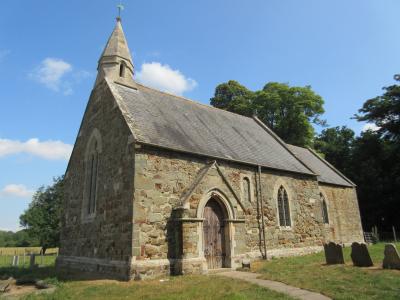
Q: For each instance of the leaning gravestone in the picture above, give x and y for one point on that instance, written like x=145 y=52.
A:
x=333 y=254
x=392 y=258
x=360 y=255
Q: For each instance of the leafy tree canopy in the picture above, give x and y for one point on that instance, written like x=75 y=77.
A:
x=17 y=239
x=42 y=218
x=289 y=111
x=336 y=144
x=384 y=111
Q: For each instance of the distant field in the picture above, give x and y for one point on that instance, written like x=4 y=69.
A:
x=25 y=250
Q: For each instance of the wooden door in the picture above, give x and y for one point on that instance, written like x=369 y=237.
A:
x=213 y=228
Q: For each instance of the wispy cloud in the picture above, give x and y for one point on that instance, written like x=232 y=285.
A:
x=58 y=75
x=52 y=150
x=164 y=78
x=3 y=54
x=16 y=190
x=370 y=126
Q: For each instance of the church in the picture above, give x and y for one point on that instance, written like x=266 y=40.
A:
x=158 y=184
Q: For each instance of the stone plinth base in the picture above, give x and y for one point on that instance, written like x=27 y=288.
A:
x=93 y=267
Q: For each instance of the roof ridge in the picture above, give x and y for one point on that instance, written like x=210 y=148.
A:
x=191 y=100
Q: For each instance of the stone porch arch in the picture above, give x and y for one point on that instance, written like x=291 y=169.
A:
x=217 y=194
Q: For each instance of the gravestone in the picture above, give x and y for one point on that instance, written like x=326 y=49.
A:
x=392 y=258
x=333 y=254
x=360 y=255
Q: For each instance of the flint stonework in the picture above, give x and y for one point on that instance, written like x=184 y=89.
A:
x=360 y=255
x=392 y=258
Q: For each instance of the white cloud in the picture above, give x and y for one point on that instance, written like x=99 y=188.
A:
x=47 y=149
x=16 y=190
x=50 y=73
x=370 y=126
x=164 y=78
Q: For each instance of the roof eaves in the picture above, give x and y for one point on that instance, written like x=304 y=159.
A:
x=221 y=158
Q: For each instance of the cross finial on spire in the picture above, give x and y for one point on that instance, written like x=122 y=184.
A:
x=120 y=8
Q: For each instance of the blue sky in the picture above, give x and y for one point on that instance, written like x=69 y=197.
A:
x=346 y=50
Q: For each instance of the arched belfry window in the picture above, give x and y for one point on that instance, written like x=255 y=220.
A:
x=122 y=69
x=246 y=192
x=91 y=171
x=325 y=217
x=283 y=208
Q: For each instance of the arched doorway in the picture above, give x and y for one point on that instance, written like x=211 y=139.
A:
x=214 y=234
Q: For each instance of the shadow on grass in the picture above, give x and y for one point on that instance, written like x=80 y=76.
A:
x=47 y=273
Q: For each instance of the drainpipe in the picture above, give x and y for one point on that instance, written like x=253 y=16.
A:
x=262 y=213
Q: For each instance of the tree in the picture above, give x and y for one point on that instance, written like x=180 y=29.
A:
x=42 y=218
x=384 y=111
x=336 y=144
x=288 y=111
x=376 y=171
x=234 y=97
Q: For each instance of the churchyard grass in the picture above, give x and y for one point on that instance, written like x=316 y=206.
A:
x=170 y=288
x=336 y=281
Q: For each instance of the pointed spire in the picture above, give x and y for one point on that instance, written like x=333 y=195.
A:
x=116 y=62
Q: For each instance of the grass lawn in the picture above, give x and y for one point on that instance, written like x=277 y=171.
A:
x=336 y=281
x=179 y=287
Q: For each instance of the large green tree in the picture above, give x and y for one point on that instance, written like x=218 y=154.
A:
x=384 y=111
x=336 y=144
x=289 y=111
x=42 y=218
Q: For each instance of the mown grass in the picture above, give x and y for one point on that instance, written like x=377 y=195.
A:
x=180 y=287
x=336 y=281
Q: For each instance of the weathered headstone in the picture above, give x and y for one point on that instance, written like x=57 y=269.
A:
x=333 y=254
x=360 y=255
x=392 y=258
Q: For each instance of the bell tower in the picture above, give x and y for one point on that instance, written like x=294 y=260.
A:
x=115 y=62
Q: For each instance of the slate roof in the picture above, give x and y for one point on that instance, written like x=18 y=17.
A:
x=325 y=171
x=172 y=122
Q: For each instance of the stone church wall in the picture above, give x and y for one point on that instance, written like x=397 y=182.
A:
x=344 y=214
x=170 y=187
x=101 y=244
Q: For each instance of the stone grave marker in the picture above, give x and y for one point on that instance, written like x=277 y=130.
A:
x=360 y=255
x=333 y=254
x=392 y=258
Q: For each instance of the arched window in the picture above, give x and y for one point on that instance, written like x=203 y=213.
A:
x=121 y=69
x=324 y=207
x=283 y=208
x=246 y=192
x=91 y=171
